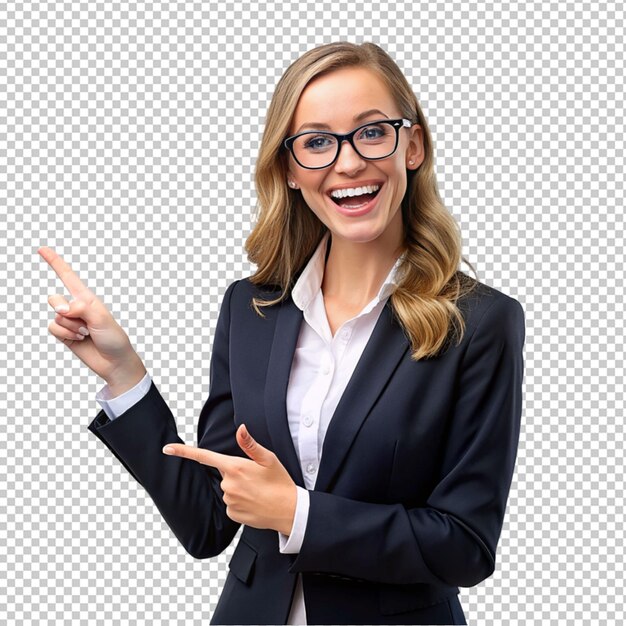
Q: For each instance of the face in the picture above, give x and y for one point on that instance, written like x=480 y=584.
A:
x=335 y=99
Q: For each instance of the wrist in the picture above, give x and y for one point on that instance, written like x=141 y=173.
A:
x=286 y=524
x=126 y=378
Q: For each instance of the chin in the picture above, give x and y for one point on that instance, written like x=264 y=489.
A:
x=356 y=233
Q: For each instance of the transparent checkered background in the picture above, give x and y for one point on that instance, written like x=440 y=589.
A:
x=128 y=139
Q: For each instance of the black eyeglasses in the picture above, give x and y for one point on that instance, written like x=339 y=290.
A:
x=315 y=150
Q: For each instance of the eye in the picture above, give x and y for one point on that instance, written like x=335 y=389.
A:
x=318 y=141
x=375 y=131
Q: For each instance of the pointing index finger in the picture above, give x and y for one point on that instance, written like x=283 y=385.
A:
x=207 y=457
x=74 y=284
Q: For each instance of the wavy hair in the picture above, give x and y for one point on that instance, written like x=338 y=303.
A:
x=287 y=231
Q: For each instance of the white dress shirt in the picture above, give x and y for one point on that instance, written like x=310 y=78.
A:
x=321 y=368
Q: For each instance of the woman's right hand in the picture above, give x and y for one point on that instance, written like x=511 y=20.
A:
x=106 y=350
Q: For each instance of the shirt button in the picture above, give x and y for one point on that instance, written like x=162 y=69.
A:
x=308 y=420
x=325 y=369
x=345 y=333
x=310 y=468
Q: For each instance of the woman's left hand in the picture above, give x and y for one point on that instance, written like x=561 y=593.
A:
x=258 y=492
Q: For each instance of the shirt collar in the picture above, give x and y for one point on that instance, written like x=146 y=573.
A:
x=309 y=282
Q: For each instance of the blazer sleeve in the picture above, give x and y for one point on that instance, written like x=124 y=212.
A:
x=187 y=494
x=453 y=539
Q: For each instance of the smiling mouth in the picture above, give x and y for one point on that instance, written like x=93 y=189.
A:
x=354 y=202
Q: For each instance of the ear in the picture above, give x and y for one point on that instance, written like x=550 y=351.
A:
x=291 y=181
x=415 y=149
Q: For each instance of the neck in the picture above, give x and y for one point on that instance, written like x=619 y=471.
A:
x=355 y=271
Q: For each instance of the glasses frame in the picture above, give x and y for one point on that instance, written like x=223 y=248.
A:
x=349 y=137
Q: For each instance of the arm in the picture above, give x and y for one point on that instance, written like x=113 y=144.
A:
x=187 y=494
x=453 y=539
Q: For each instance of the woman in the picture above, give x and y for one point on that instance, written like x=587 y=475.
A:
x=365 y=395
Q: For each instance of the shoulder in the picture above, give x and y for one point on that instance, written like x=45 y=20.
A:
x=239 y=294
x=245 y=288
x=492 y=311
x=480 y=297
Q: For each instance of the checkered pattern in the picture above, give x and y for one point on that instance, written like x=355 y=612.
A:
x=128 y=140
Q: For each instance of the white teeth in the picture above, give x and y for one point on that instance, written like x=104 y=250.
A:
x=354 y=191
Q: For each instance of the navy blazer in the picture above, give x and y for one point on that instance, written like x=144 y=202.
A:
x=414 y=477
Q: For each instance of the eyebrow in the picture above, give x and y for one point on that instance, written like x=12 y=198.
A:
x=356 y=118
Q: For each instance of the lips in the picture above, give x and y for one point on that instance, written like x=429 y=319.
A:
x=361 y=210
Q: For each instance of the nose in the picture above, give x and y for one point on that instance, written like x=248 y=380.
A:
x=348 y=159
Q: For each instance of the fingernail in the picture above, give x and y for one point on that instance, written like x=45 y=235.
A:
x=83 y=330
x=62 y=308
x=168 y=450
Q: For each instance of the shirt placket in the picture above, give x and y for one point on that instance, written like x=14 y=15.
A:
x=310 y=416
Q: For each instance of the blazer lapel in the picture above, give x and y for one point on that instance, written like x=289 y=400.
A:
x=382 y=354
x=286 y=331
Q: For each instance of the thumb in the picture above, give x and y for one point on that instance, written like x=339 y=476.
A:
x=254 y=450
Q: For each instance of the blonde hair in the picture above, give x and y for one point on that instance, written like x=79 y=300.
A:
x=287 y=231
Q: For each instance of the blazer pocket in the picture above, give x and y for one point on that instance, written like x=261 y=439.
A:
x=403 y=598
x=242 y=562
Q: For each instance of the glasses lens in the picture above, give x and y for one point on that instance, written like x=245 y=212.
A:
x=317 y=149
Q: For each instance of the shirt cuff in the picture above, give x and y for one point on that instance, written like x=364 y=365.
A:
x=114 y=407
x=291 y=544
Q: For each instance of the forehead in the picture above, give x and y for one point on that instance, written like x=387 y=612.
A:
x=335 y=98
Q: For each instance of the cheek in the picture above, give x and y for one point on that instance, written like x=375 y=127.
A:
x=396 y=193
x=310 y=189
x=318 y=207
x=400 y=183
x=315 y=202
x=309 y=180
